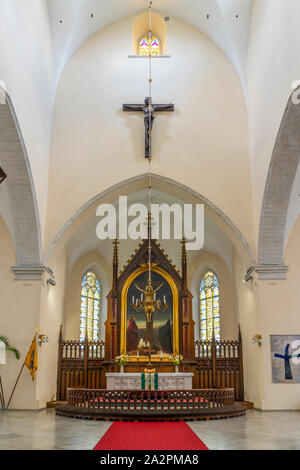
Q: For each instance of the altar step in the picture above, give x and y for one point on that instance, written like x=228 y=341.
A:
x=247 y=404
x=54 y=404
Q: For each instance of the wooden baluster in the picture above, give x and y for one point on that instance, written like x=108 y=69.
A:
x=148 y=400
x=59 y=363
x=174 y=398
x=156 y=400
x=86 y=357
x=162 y=400
x=241 y=374
x=213 y=351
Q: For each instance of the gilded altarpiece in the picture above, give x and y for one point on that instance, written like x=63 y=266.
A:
x=171 y=331
x=160 y=337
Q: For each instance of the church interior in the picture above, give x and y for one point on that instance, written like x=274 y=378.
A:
x=117 y=117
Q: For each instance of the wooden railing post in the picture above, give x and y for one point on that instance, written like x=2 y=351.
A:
x=86 y=359
x=213 y=357
x=242 y=396
x=60 y=353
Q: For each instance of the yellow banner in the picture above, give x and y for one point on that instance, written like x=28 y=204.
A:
x=31 y=360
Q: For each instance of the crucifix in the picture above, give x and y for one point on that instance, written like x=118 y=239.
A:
x=148 y=109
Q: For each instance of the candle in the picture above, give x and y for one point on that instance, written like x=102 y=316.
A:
x=137 y=355
x=136 y=302
x=142 y=297
x=133 y=299
x=161 y=354
x=154 y=296
x=165 y=299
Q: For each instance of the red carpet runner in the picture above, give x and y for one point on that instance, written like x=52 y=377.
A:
x=150 y=436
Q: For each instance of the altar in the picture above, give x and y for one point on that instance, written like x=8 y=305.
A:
x=149 y=330
x=133 y=381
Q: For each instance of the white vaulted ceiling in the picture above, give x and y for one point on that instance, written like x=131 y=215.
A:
x=227 y=25
x=85 y=240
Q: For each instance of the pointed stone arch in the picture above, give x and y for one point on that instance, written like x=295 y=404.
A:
x=280 y=179
x=139 y=182
x=14 y=160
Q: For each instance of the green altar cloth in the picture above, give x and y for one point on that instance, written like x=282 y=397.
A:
x=149 y=381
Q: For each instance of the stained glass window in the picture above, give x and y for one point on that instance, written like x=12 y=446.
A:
x=209 y=307
x=149 y=44
x=90 y=307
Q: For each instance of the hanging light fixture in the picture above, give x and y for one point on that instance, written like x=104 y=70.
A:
x=3 y=175
x=148 y=301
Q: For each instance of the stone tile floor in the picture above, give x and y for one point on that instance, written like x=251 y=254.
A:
x=43 y=430
x=267 y=430
x=25 y=430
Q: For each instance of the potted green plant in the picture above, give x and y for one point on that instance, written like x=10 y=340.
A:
x=8 y=347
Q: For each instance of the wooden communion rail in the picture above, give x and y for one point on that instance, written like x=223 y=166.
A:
x=217 y=364
x=144 y=404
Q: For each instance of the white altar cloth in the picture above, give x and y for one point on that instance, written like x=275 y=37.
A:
x=166 y=381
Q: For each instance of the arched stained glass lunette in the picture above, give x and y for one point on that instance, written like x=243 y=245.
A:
x=209 y=307
x=149 y=44
x=90 y=307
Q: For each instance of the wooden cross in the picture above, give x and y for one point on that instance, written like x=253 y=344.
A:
x=148 y=109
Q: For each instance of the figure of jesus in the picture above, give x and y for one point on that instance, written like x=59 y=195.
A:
x=148 y=109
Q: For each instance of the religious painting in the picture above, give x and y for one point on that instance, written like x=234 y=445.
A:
x=285 y=357
x=155 y=333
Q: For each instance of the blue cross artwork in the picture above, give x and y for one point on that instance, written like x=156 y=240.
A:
x=285 y=356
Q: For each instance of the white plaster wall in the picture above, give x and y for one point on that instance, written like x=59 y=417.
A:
x=5 y=210
x=52 y=310
x=279 y=307
x=204 y=144
x=268 y=308
x=273 y=65
x=26 y=70
x=19 y=318
x=249 y=318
